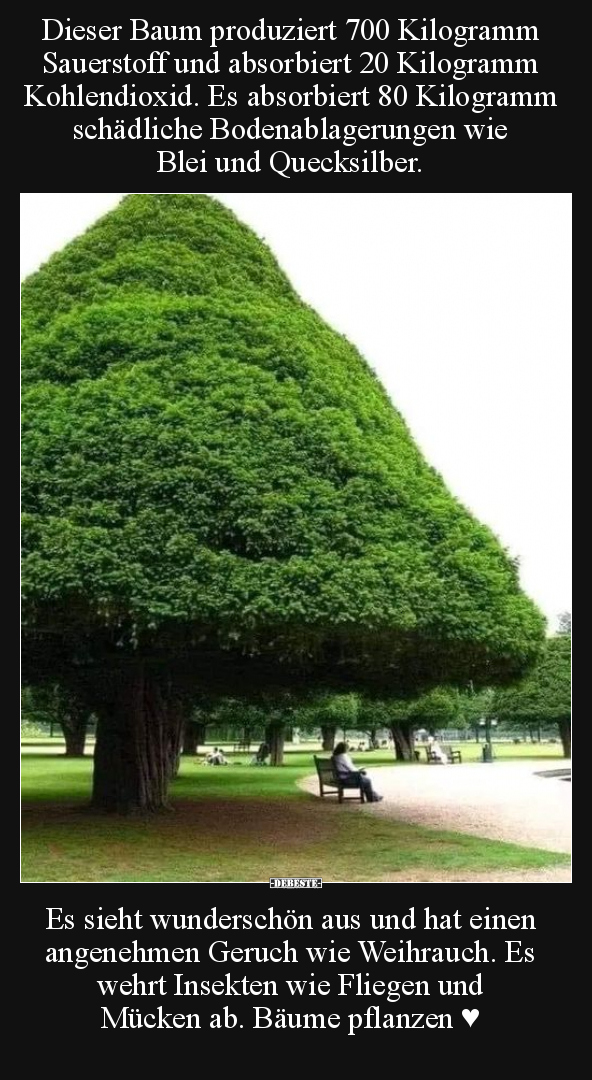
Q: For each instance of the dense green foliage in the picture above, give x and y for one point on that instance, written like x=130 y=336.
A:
x=477 y=708
x=544 y=697
x=339 y=711
x=206 y=461
x=55 y=705
x=438 y=708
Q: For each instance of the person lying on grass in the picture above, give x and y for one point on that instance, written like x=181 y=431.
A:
x=352 y=777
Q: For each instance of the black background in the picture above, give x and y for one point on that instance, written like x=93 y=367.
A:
x=538 y=152
x=525 y=1011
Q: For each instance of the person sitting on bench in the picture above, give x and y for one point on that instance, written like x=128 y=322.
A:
x=352 y=777
x=436 y=751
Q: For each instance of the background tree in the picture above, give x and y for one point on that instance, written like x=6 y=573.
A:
x=201 y=715
x=329 y=713
x=59 y=706
x=374 y=715
x=565 y=621
x=217 y=492
x=476 y=710
x=281 y=711
x=402 y=728
x=437 y=710
x=434 y=710
x=544 y=697
x=33 y=722
x=246 y=718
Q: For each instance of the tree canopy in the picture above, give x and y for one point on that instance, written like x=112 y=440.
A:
x=218 y=492
x=210 y=468
x=440 y=708
x=477 y=707
x=544 y=697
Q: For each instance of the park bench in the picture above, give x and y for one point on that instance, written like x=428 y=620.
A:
x=454 y=756
x=329 y=778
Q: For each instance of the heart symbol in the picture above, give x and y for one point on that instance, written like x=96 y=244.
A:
x=470 y=1015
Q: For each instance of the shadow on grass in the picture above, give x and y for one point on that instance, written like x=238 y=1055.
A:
x=234 y=824
x=250 y=840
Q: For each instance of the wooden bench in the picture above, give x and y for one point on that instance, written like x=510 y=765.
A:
x=454 y=756
x=329 y=778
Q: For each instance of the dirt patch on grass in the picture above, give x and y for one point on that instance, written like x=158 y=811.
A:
x=254 y=821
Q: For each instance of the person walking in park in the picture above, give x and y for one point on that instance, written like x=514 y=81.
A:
x=351 y=776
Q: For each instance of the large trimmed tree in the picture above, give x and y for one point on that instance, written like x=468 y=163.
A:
x=544 y=697
x=217 y=489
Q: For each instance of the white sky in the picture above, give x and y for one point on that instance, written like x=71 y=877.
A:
x=462 y=304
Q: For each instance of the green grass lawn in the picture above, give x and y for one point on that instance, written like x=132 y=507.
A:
x=237 y=824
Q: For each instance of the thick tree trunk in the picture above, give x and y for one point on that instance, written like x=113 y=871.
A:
x=565 y=733
x=275 y=737
x=404 y=740
x=138 y=740
x=74 y=729
x=329 y=734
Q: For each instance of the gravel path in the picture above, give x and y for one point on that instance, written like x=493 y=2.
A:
x=503 y=801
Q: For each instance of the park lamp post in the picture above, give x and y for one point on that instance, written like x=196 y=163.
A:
x=487 y=723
